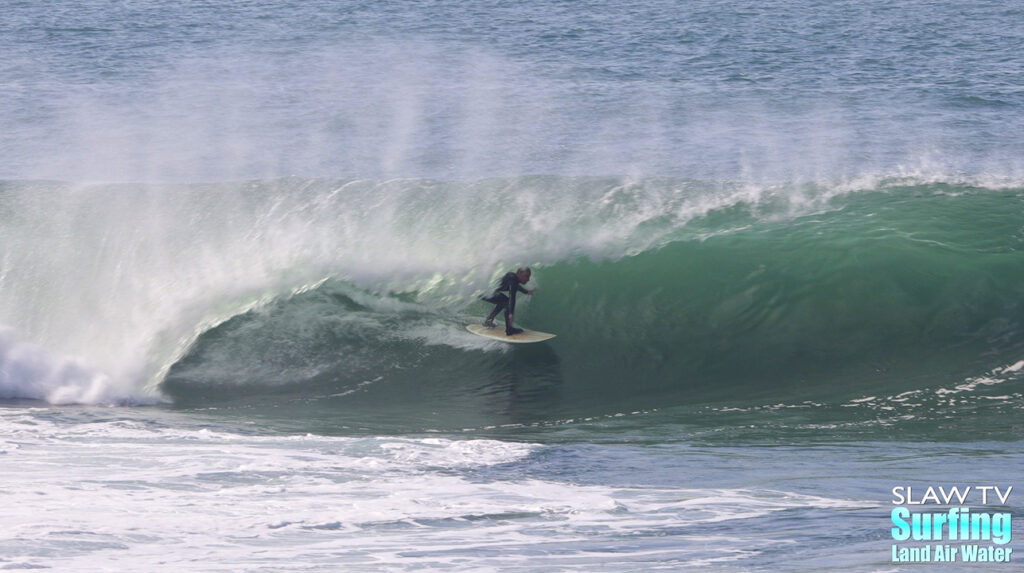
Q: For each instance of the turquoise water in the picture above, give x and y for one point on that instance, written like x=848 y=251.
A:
x=239 y=242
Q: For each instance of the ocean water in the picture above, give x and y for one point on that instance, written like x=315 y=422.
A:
x=782 y=246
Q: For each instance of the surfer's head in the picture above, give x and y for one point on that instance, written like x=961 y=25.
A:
x=523 y=274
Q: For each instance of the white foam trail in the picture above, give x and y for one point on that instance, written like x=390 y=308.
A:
x=27 y=371
x=173 y=497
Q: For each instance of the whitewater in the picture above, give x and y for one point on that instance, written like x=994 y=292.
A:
x=781 y=247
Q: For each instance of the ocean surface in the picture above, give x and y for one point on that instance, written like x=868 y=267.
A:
x=781 y=244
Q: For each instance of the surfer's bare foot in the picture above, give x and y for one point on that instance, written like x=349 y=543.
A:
x=513 y=331
x=489 y=323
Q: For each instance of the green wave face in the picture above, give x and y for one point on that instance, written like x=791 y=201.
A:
x=901 y=288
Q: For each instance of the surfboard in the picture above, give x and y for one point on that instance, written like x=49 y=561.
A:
x=498 y=333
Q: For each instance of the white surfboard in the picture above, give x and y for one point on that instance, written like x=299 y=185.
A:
x=498 y=333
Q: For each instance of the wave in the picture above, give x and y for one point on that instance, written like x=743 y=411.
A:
x=351 y=295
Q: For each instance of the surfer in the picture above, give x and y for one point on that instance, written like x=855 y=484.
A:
x=511 y=283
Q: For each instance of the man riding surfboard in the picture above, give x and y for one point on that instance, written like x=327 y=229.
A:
x=511 y=283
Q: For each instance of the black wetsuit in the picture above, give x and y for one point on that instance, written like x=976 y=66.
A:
x=510 y=284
